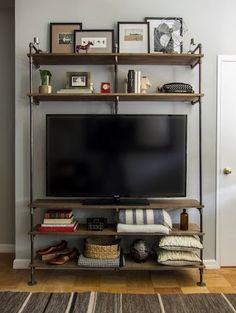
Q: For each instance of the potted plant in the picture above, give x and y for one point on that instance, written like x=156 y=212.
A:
x=45 y=77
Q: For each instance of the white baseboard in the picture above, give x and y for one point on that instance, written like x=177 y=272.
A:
x=4 y=248
x=21 y=264
x=211 y=264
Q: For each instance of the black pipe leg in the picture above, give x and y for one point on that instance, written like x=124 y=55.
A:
x=32 y=280
x=201 y=282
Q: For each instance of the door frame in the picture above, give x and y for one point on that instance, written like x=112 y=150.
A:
x=221 y=59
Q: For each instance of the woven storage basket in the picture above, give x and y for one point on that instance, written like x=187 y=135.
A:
x=101 y=248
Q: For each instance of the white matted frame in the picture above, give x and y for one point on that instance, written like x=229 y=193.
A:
x=133 y=37
x=102 y=40
x=155 y=34
x=78 y=80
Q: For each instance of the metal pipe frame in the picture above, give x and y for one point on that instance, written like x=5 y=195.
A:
x=32 y=48
x=116 y=85
x=31 y=161
x=199 y=47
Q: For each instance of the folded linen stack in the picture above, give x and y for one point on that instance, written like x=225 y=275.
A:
x=144 y=221
x=179 y=250
x=90 y=262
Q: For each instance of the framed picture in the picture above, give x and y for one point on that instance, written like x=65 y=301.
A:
x=165 y=34
x=99 y=40
x=78 y=80
x=62 y=37
x=133 y=37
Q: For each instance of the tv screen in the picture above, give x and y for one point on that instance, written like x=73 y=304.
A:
x=107 y=155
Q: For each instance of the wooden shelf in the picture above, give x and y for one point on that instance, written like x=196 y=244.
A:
x=82 y=231
x=119 y=58
x=111 y=231
x=72 y=265
x=150 y=265
x=176 y=97
x=77 y=204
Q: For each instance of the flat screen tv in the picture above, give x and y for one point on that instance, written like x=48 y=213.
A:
x=106 y=156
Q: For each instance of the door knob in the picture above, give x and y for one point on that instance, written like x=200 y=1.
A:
x=227 y=171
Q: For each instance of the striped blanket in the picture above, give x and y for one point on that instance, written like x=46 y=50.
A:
x=145 y=217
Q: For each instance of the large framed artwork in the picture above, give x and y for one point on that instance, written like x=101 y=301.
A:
x=62 y=37
x=133 y=37
x=99 y=40
x=165 y=34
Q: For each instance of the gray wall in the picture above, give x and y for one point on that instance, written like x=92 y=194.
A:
x=210 y=22
x=7 y=91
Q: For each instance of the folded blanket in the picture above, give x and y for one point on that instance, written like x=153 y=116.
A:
x=88 y=262
x=142 y=229
x=145 y=217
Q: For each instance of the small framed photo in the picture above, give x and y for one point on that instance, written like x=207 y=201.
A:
x=62 y=37
x=78 y=80
x=133 y=37
x=99 y=41
x=165 y=34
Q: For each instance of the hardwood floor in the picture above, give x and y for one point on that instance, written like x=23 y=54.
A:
x=221 y=280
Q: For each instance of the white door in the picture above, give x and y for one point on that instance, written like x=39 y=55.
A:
x=226 y=173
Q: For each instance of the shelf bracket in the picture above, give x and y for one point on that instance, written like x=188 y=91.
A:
x=199 y=48
x=36 y=101
x=116 y=104
x=36 y=66
x=195 y=101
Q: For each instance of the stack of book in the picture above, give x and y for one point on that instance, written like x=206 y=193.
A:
x=75 y=90
x=134 y=81
x=58 y=221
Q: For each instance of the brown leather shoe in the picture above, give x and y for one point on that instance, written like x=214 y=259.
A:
x=63 y=258
x=59 y=247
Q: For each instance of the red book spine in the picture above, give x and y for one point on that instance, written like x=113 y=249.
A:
x=56 y=229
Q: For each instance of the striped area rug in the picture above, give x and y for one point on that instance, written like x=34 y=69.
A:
x=93 y=302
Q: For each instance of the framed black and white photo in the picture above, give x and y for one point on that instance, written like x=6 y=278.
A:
x=62 y=37
x=78 y=80
x=133 y=37
x=165 y=34
x=99 y=41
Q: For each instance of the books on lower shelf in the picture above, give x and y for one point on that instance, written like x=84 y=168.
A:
x=74 y=90
x=57 y=228
x=58 y=214
x=58 y=221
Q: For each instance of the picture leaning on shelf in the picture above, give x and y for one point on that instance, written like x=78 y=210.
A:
x=77 y=83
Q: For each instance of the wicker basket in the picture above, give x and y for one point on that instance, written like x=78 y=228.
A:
x=101 y=248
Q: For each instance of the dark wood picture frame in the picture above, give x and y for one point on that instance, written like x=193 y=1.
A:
x=151 y=21
x=63 y=44
x=106 y=42
x=133 y=46
x=82 y=81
